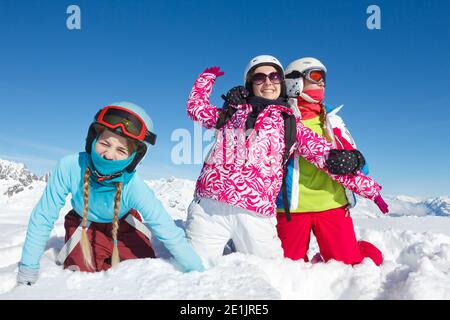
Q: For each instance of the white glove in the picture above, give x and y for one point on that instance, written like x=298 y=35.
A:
x=27 y=276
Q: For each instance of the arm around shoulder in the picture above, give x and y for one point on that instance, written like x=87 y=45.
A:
x=311 y=146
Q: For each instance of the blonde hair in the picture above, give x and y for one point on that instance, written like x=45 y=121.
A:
x=115 y=225
x=84 y=242
x=323 y=121
x=86 y=247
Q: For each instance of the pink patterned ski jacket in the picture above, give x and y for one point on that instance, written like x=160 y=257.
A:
x=245 y=169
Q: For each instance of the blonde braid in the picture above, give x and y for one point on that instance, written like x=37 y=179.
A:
x=115 y=225
x=323 y=121
x=84 y=242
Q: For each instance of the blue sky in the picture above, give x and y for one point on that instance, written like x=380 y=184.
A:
x=394 y=82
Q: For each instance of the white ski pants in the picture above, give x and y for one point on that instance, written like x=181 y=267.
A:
x=210 y=224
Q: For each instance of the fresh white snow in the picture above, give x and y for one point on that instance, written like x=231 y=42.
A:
x=414 y=238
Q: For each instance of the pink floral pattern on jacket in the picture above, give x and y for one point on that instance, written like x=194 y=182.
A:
x=244 y=169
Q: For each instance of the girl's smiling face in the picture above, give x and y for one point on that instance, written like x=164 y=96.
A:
x=267 y=89
x=112 y=146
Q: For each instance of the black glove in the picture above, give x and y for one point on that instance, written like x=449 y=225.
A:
x=344 y=161
x=235 y=96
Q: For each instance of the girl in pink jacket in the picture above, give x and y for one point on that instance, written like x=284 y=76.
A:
x=235 y=195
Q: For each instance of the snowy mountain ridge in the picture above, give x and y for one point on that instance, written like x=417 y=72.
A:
x=15 y=178
x=177 y=193
x=439 y=205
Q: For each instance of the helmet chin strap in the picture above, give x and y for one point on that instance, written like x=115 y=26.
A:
x=308 y=98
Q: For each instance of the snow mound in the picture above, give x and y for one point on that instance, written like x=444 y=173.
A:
x=175 y=194
x=416 y=266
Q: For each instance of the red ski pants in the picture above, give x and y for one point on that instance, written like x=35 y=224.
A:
x=335 y=236
x=132 y=244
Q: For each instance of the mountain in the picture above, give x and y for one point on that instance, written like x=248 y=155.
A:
x=176 y=195
x=440 y=206
x=405 y=205
x=15 y=178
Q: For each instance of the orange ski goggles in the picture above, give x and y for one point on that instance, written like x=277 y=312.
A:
x=313 y=75
x=130 y=123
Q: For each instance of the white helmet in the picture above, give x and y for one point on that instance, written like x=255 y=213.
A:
x=295 y=72
x=303 y=64
x=263 y=60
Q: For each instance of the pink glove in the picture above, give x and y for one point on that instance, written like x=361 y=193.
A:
x=381 y=204
x=214 y=70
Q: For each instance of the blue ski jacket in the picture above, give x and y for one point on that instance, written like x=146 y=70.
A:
x=68 y=178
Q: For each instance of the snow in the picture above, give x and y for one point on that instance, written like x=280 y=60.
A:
x=414 y=238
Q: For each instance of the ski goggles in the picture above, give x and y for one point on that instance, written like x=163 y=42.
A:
x=131 y=124
x=260 y=78
x=312 y=75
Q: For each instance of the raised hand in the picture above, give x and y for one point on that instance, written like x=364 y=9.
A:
x=214 y=70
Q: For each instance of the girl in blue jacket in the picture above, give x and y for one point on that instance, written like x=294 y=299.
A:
x=105 y=189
